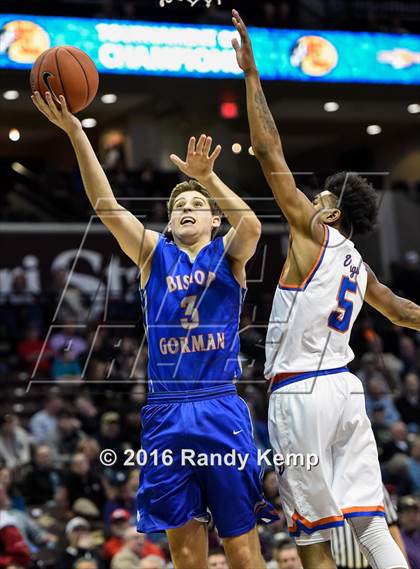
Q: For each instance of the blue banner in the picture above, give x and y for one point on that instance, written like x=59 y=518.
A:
x=187 y=50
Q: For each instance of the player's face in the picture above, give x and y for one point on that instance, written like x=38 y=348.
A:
x=191 y=217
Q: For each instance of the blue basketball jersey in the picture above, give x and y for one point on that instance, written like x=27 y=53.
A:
x=191 y=311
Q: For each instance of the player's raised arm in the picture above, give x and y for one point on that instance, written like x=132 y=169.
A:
x=398 y=310
x=241 y=240
x=137 y=242
x=266 y=141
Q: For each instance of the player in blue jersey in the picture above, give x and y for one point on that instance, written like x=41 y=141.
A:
x=197 y=432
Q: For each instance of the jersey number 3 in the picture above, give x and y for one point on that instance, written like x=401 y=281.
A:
x=340 y=319
x=193 y=319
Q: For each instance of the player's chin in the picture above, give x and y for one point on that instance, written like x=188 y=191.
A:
x=184 y=230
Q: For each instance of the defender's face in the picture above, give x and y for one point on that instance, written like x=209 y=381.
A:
x=191 y=217
x=326 y=203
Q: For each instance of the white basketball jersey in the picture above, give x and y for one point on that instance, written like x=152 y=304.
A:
x=310 y=325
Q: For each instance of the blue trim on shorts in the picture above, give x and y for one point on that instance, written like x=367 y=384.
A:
x=360 y=514
x=309 y=531
x=187 y=396
x=307 y=375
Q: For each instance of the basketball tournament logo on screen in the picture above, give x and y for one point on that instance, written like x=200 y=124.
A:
x=23 y=40
x=314 y=55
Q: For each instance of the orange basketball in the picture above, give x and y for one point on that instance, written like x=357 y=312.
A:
x=68 y=71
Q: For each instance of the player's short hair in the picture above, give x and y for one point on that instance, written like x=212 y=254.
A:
x=357 y=201
x=192 y=186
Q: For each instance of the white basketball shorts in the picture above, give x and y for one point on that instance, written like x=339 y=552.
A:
x=323 y=413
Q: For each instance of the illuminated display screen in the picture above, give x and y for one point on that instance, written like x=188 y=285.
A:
x=186 y=50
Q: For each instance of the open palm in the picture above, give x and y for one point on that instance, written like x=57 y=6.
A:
x=199 y=162
x=244 y=53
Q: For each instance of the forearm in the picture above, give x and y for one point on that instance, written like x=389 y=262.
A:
x=94 y=178
x=409 y=314
x=264 y=133
x=237 y=212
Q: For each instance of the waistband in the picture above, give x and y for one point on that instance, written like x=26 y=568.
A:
x=283 y=379
x=195 y=395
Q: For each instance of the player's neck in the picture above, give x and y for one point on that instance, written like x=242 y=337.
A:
x=192 y=249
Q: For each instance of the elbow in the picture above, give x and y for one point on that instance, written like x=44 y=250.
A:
x=263 y=148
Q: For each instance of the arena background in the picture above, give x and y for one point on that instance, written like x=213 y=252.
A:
x=64 y=282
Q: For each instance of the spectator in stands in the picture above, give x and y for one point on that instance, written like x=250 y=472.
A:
x=409 y=517
x=21 y=305
x=378 y=392
x=13 y=492
x=69 y=433
x=13 y=549
x=395 y=473
x=110 y=436
x=408 y=404
x=414 y=465
x=31 y=347
x=407 y=352
x=136 y=547
x=121 y=494
x=32 y=533
x=287 y=556
x=155 y=562
x=217 y=560
x=80 y=544
x=66 y=366
x=88 y=413
x=69 y=339
x=398 y=442
x=119 y=523
x=271 y=485
x=90 y=447
x=42 y=479
x=379 y=427
x=71 y=307
x=81 y=482
x=43 y=424
x=15 y=443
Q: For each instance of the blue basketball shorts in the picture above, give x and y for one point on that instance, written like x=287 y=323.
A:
x=201 y=458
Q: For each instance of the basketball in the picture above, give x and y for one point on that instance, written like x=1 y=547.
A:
x=68 y=71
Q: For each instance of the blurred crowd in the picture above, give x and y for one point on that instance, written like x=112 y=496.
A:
x=59 y=504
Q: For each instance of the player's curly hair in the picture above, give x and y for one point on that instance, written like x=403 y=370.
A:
x=188 y=186
x=357 y=202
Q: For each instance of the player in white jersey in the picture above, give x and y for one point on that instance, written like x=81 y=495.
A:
x=317 y=405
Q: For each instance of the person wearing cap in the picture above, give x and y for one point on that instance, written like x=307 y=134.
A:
x=409 y=516
x=136 y=546
x=109 y=436
x=119 y=523
x=80 y=544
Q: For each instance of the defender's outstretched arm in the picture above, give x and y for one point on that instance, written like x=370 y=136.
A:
x=266 y=141
x=398 y=310
x=136 y=241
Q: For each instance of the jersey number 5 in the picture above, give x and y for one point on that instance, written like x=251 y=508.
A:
x=340 y=319
x=193 y=319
